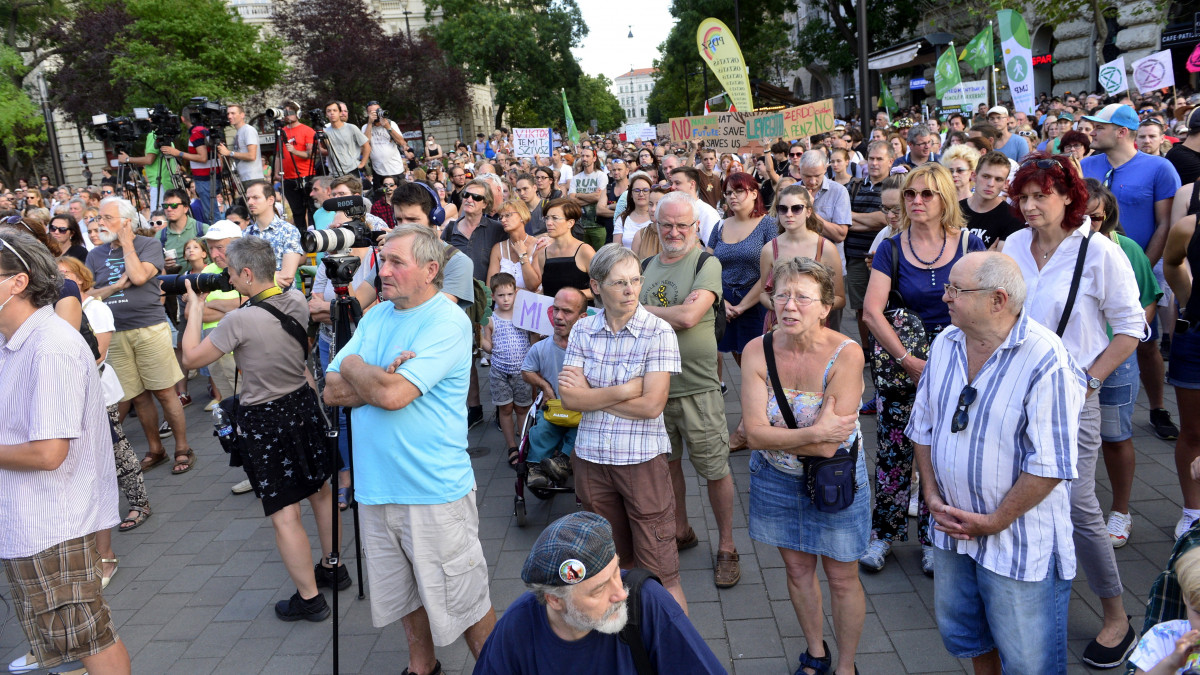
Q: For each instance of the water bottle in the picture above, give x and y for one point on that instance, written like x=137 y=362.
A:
x=222 y=422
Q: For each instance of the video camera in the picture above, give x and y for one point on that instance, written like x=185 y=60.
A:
x=277 y=117
x=172 y=284
x=206 y=113
x=316 y=119
x=354 y=234
x=164 y=123
x=121 y=132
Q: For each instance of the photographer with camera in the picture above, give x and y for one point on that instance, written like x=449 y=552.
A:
x=158 y=175
x=201 y=165
x=268 y=343
x=245 y=146
x=387 y=144
x=348 y=149
x=282 y=235
x=296 y=163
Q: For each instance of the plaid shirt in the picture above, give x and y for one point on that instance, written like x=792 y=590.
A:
x=646 y=344
x=1166 y=597
x=282 y=235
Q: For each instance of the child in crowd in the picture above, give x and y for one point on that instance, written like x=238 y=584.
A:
x=507 y=345
x=1174 y=646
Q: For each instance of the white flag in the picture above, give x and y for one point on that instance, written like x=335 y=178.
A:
x=1154 y=72
x=1112 y=76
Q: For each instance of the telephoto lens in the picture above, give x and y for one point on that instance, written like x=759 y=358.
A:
x=325 y=241
x=173 y=284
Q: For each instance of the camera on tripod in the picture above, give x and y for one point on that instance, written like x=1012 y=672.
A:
x=317 y=119
x=121 y=132
x=205 y=113
x=354 y=234
x=164 y=123
x=172 y=284
x=277 y=116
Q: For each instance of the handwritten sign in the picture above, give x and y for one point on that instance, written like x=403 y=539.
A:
x=791 y=123
x=531 y=142
x=741 y=132
x=724 y=132
x=532 y=312
x=967 y=96
x=664 y=130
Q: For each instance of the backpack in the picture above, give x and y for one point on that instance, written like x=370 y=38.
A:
x=631 y=634
x=719 y=318
x=162 y=234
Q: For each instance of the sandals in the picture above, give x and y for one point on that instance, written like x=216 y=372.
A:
x=514 y=455
x=188 y=463
x=819 y=665
x=142 y=515
x=152 y=460
x=343 y=498
x=104 y=580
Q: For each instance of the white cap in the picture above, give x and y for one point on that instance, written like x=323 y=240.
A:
x=223 y=229
x=998 y=110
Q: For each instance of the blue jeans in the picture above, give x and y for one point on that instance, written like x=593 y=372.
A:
x=343 y=440
x=545 y=438
x=204 y=195
x=978 y=610
x=1117 y=398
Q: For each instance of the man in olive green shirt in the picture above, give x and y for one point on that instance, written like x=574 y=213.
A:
x=181 y=228
x=158 y=176
x=676 y=292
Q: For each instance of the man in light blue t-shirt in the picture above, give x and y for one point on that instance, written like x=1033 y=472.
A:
x=405 y=374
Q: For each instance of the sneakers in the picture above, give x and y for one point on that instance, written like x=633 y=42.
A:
x=1119 y=527
x=326 y=577
x=877 y=550
x=241 y=488
x=927 y=561
x=24 y=664
x=164 y=429
x=536 y=478
x=914 y=504
x=724 y=389
x=474 y=416
x=1164 y=428
x=185 y=400
x=296 y=608
x=558 y=468
x=869 y=407
x=483 y=361
x=1183 y=525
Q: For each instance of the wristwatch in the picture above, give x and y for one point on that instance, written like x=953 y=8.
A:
x=1094 y=383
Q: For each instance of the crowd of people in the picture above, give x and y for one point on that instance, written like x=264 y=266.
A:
x=1006 y=273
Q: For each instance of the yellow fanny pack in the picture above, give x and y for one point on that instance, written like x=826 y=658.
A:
x=557 y=415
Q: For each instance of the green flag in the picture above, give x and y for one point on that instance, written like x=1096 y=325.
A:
x=979 y=53
x=572 y=132
x=946 y=76
x=885 y=97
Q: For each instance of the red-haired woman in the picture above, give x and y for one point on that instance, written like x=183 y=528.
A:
x=1052 y=198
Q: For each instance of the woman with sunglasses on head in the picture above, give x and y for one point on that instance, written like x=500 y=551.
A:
x=239 y=215
x=65 y=231
x=799 y=237
x=1051 y=196
x=515 y=254
x=932 y=237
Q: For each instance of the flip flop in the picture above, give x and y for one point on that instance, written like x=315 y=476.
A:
x=152 y=460
x=134 y=522
x=343 y=498
x=188 y=461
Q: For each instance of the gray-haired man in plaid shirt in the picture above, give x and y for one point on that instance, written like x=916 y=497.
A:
x=617 y=372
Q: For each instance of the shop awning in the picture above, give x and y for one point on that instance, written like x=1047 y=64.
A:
x=917 y=50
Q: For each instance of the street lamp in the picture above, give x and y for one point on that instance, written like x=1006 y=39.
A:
x=420 y=115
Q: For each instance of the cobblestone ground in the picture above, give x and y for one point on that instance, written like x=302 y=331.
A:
x=198 y=581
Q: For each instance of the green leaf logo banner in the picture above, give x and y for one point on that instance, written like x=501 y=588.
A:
x=946 y=76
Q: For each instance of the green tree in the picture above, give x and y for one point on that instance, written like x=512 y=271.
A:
x=832 y=38
x=764 y=43
x=23 y=49
x=523 y=47
x=590 y=99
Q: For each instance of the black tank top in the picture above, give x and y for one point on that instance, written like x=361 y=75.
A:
x=560 y=273
x=1194 y=204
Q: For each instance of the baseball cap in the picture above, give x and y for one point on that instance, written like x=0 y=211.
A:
x=1193 y=120
x=1064 y=115
x=1115 y=113
x=223 y=229
x=573 y=548
x=998 y=110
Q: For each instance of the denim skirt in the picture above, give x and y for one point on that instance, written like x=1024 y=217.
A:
x=783 y=515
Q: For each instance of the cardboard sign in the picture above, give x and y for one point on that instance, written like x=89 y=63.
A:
x=664 y=130
x=791 y=123
x=967 y=95
x=531 y=312
x=724 y=132
x=531 y=142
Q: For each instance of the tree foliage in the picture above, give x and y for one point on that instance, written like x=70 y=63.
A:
x=764 y=43
x=590 y=99
x=832 y=37
x=118 y=54
x=341 y=51
x=523 y=47
x=22 y=128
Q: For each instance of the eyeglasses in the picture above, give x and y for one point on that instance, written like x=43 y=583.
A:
x=782 y=299
x=734 y=193
x=640 y=191
x=794 y=209
x=892 y=211
x=795 y=154
x=926 y=194
x=957 y=170
x=172 y=205
x=389 y=186
x=106 y=193
x=953 y=291
x=961 y=418
x=675 y=226
x=55 y=228
x=625 y=284
x=474 y=196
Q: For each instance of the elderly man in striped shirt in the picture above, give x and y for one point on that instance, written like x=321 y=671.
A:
x=995 y=425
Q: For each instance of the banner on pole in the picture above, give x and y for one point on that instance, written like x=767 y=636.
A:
x=979 y=53
x=946 y=76
x=531 y=143
x=967 y=95
x=1154 y=72
x=572 y=131
x=1112 y=76
x=1018 y=59
x=720 y=51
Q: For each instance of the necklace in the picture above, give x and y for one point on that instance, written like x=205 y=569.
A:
x=928 y=263
x=1046 y=255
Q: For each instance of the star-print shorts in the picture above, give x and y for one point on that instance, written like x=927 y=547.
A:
x=284 y=450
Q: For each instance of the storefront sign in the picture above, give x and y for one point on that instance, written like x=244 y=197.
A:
x=918 y=83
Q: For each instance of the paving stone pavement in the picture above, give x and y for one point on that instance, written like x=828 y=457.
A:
x=197 y=582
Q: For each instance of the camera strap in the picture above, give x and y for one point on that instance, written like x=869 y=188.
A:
x=290 y=324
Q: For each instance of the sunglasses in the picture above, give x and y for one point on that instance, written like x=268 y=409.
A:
x=926 y=194
x=158 y=223
x=795 y=154
x=474 y=197
x=794 y=209
x=961 y=418
x=172 y=205
x=55 y=228
x=1042 y=163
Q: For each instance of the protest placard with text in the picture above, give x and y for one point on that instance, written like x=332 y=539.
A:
x=531 y=142
x=531 y=312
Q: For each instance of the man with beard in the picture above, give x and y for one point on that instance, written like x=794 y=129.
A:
x=578 y=606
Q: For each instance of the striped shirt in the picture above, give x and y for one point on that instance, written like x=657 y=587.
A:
x=646 y=344
x=50 y=388
x=1025 y=419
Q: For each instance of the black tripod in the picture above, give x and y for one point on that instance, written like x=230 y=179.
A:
x=344 y=314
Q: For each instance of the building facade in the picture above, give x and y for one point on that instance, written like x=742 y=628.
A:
x=633 y=89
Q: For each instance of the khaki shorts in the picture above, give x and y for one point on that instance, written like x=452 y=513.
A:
x=58 y=601
x=637 y=500
x=144 y=359
x=426 y=555
x=699 y=421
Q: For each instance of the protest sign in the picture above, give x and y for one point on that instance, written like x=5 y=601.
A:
x=633 y=132
x=1154 y=72
x=663 y=130
x=967 y=95
x=724 y=132
x=791 y=123
x=532 y=312
x=531 y=142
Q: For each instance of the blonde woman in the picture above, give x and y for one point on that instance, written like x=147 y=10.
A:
x=799 y=237
x=961 y=161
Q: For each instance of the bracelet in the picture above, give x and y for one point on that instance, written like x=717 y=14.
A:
x=901 y=359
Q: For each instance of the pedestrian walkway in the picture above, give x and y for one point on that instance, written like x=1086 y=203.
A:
x=198 y=581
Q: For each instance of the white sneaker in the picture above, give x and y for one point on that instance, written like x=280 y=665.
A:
x=241 y=488
x=1120 y=525
x=1184 y=524
x=927 y=561
x=24 y=664
x=877 y=550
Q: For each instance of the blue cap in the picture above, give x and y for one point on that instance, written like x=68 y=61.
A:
x=1115 y=113
x=571 y=549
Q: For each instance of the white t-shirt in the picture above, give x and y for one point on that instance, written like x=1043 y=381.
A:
x=101 y=319
x=565 y=174
x=1159 y=642
x=708 y=219
x=386 y=157
x=886 y=232
x=626 y=228
x=588 y=183
x=242 y=140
